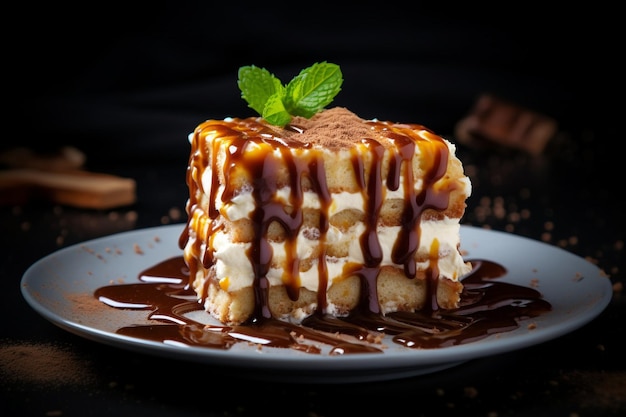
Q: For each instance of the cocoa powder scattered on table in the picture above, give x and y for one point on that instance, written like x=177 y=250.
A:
x=42 y=364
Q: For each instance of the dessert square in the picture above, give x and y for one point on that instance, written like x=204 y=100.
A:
x=325 y=215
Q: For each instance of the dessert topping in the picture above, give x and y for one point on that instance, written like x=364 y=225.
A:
x=306 y=94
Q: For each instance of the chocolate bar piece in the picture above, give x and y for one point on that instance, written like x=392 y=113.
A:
x=496 y=121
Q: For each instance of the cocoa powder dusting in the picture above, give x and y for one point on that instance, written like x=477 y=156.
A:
x=42 y=364
x=333 y=128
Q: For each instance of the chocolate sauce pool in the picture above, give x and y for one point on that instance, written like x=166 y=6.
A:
x=487 y=306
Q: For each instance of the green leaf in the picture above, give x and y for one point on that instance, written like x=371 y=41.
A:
x=274 y=111
x=313 y=89
x=306 y=94
x=257 y=85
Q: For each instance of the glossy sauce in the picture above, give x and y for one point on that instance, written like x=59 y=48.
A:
x=260 y=153
x=269 y=159
x=488 y=306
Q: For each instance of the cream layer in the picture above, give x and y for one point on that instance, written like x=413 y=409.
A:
x=234 y=270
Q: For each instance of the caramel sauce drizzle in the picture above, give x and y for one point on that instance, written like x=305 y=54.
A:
x=487 y=306
x=262 y=166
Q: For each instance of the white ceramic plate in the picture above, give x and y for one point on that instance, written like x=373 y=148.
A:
x=60 y=287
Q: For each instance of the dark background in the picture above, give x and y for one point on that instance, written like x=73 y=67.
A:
x=126 y=83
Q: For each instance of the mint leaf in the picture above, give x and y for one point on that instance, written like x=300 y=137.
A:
x=306 y=94
x=274 y=111
x=257 y=85
x=313 y=89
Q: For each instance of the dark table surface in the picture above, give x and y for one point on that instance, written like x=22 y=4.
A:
x=570 y=197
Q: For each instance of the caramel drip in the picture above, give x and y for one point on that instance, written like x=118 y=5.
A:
x=263 y=169
x=318 y=180
x=247 y=140
x=370 y=245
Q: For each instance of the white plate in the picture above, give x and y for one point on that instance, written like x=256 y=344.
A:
x=60 y=287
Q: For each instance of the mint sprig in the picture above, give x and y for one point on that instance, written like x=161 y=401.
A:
x=305 y=95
